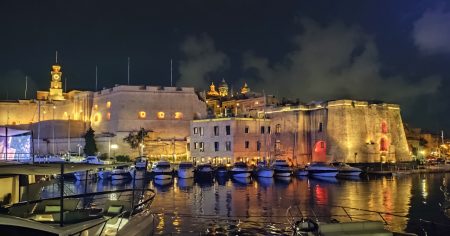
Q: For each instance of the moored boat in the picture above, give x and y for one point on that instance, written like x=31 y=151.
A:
x=345 y=169
x=221 y=171
x=240 y=170
x=204 y=170
x=264 y=171
x=281 y=168
x=141 y=163
x=162 y=170
x=301 y=172
x=82 y=175
x=120 y=172
x=322 y=169
x=186 y=170
x=136 y=173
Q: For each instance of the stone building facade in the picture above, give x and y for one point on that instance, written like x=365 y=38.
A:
x=227 y=140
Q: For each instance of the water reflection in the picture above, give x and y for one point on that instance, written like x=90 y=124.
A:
x=258 y=206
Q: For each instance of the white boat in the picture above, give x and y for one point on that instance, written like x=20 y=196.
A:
x=46 y=159
x=81 y=175
x=322 y=169
x=94 y=160
x=136 y=173
x=162 y=170
x=240 y=170
x=141 y=163
x=281 y=168
x=345 y=169
x=264 y=171
x=186 y=170
x=120 y=172
x=205 y=170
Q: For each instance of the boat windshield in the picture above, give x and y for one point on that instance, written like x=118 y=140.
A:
x=240 y=165
x=163 y=166
x=186 y=165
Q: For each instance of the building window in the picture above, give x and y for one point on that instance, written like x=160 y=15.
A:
x=258 y=145
x=96 y=118
x=247 y=144
x=228 y=130
x=246 y=129
x=196 y=145
x=384 y=128
x=268 y=129
x=142 y=114
x=108 y=104
x=322 y=145
x=228 y=145
x=278 y=129
x=216 y=146
x=200 y=129
x=202 y=147
x=195 y=130
x=320 y=127
x=95 y=107
x=277 y=145
x=161 y=115
x=178 y=115
x=108 y=116
x=216 y=130
x=262 y=129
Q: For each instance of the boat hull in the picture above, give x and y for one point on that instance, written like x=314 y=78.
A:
x=240 y=174
x=282 y=173
x=349 y=173
x=265 y=173
x=186 y=173
x=162 y=174
x=323 y=173
x=120 y=176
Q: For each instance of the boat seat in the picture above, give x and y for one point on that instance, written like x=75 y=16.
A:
x=354 y=228
x=50 y=206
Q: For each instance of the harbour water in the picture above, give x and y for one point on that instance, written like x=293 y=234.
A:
x=258 y=206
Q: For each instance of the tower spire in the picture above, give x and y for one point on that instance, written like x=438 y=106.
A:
x=56 y=57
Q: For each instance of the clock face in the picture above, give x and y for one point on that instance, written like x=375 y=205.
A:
x=56 y=76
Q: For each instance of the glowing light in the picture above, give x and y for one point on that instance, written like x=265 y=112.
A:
x=95 y=107
x=161 y=115
x=108 y=116
x=114 y=146
x=178 y=115
x=142 y=114
x=108 y=104
x=98 y=117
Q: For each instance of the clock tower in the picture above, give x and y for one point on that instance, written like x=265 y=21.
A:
x=56 y=92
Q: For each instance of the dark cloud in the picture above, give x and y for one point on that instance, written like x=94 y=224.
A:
x=331 y=62
x=431 y=31
x=202 y=60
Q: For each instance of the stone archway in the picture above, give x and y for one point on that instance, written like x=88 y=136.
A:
x=319 y=153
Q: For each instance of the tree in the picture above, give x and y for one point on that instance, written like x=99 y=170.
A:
x=136 y=139
x=90 y=147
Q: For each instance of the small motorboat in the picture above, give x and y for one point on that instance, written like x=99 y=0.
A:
x=136 y=173
x=162 y=170
x=221 y=171
x=205 y=170
x=141 y=163
x=81 y=175
x=345 y=169
x=264 y=171
x=120 y=172
x=240 y=170
x=301 y=172
x=281 y=168
x=322 y=169
x=186 y=170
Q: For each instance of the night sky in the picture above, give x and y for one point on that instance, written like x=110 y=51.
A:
x=394 y=51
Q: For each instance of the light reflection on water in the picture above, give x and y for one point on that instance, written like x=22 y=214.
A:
x=258 y=206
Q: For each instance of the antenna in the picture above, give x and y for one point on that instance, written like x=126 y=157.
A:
x=26 y=86
x=170 y=72
x=96 y=77
x=56 y=57
x=65 y=84
x=128 y=70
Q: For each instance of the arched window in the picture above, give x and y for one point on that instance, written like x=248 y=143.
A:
x=383 y=144
x=384 y=128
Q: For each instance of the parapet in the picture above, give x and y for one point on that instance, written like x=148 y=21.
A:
x=145 y=88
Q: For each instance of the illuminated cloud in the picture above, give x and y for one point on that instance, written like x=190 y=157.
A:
x=201 y=61
x=332 y=62
x=431 y=32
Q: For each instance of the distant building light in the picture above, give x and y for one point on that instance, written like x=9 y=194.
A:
x=178 y=115
x=108 y=116
x=114 y=146
x=161 y=115
x=256 y=103
x=95 y=107
x=108 y=104
x=142 y=114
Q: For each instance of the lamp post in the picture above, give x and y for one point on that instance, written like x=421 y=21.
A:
x=53 y=129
